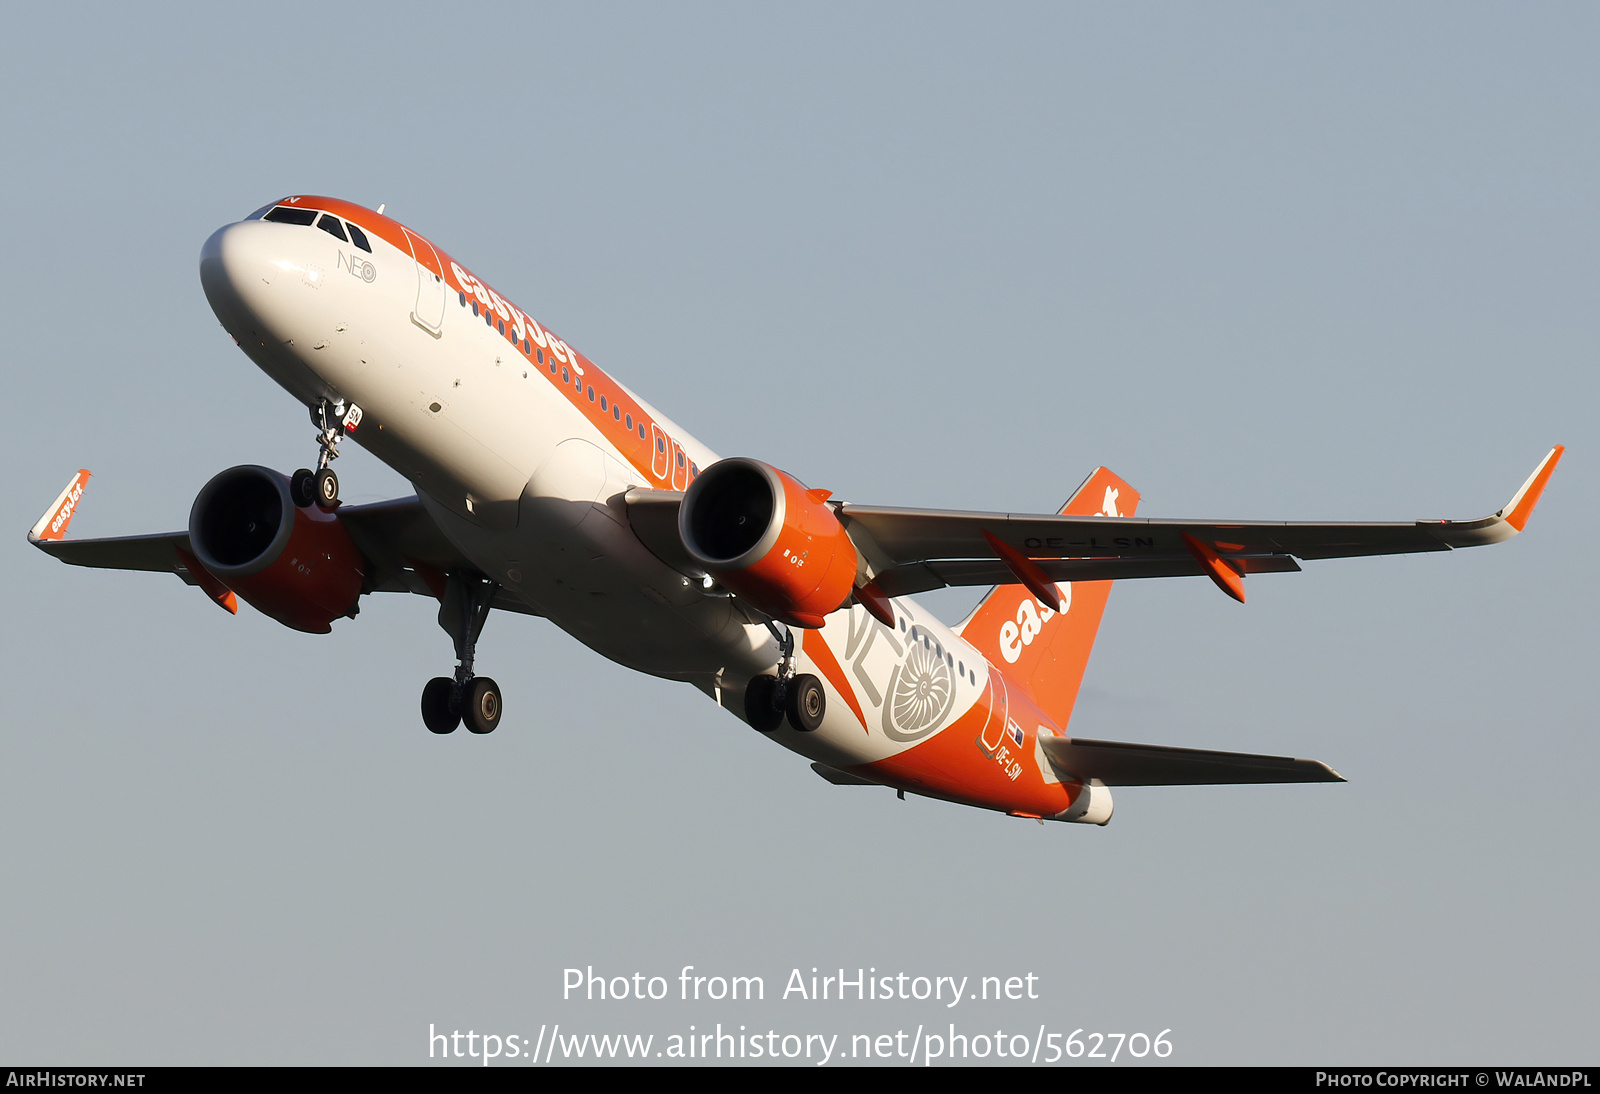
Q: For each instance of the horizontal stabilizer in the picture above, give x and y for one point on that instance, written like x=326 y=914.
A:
x=1114 y=763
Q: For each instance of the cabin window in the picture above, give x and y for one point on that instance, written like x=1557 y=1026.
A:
x=641 y=431
x=474 y=309
x=630 y=423
x=603 y=403
x=680 y=459
x=591 y=393
x=330 y=224
x=285 y=214
x=564 y=376
x=463 y=297
x=359 y=238
x=616 y=412
x=540 y=354
x=502 y=325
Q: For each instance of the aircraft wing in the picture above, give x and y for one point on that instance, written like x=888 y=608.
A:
x=912 y=550
x=404 y=549
x=907 y=551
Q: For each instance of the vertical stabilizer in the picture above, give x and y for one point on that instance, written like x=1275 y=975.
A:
x=1043 y=651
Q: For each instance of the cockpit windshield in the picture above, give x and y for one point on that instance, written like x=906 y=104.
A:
x=288 y=214
x=297 y=214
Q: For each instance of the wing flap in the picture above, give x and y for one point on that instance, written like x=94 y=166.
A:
x=922 y=576
x=1114 y=763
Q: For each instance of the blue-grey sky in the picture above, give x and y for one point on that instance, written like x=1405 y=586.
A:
x=1264 y=261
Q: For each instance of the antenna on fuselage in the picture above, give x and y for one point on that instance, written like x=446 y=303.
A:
x=380 y=209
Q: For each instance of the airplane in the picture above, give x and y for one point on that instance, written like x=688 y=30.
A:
x=546 y=486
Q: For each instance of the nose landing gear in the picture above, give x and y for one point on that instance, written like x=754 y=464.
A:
x=321 y=487
x=475 y=700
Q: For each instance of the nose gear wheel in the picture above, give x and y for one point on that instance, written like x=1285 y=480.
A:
x=321 y=487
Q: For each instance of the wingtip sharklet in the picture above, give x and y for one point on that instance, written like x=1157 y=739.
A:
x=1509 y=521
x=53 y=525
x=1520 y=507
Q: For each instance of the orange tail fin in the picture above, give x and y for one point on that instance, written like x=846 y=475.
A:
x=1042 y=651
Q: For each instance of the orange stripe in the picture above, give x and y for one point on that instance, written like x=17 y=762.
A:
x=817 y=649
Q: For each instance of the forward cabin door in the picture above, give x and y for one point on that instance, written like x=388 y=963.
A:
x=429 y=312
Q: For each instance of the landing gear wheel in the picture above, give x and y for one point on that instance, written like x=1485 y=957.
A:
x=482 y=703
x=302 y=488
x=806 y=702
x=759 y=709
x=327 y=487
x=438 y=710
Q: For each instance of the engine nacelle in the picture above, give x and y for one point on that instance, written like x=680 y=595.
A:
x=298 y=566
x=767 y=538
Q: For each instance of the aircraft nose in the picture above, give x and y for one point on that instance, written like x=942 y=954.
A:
x=238 y=265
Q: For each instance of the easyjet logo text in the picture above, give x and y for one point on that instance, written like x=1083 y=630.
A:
x=1031 y=618
x=64 y=514
x=525 y=326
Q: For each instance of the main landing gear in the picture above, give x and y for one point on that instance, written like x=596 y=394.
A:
x=768 y=698
x=475 y=700
x=321 y=487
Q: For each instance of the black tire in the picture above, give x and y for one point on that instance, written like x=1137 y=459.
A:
x=806 y=703
x=437 y=710
x=302 y=488
x=482 y=704
x=759 y=709
x=327 y=488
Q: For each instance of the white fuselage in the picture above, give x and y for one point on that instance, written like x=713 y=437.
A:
x=521 y=458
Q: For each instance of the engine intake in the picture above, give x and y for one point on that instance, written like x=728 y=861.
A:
x=298 y=566
x=767 y=538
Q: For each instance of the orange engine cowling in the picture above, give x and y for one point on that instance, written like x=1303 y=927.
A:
x=298 y=566
x=767 y=538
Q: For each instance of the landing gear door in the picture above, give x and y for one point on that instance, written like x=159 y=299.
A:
x=429 y=312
